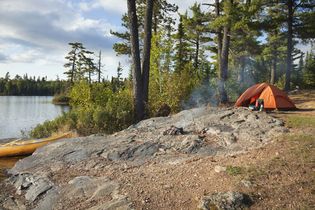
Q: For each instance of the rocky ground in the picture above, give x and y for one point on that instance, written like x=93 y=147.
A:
x=202 y=158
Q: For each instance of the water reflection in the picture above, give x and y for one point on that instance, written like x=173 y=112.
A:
x=22 y=113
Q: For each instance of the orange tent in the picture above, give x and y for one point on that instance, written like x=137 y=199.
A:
x=273 y=97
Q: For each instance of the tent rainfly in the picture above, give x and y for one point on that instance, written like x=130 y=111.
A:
x=273 y=97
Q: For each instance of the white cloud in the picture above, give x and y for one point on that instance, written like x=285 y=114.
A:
x=26 y=56
x=118 y=6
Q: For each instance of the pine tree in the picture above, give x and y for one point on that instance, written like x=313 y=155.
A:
x=182 y=51
x=274 y=50
x=197 y=31
x=80 y=63
x=244 y=45
x=72 y=58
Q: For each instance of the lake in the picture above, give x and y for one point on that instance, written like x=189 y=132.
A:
x=22 y=113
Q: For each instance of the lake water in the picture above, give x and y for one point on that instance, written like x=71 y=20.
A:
x=22 y=113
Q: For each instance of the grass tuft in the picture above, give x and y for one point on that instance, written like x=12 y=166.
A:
x=234 y=170
x=301 y=121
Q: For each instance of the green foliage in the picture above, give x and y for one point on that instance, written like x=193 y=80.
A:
x=173 y=90
x=95 y=109
x=281 y=82
x=80 y=95
x=99 y=109
x=61 y=99
x=167 y=87
x=48 y=127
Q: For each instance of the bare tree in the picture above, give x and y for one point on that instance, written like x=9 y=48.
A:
x=99 y=67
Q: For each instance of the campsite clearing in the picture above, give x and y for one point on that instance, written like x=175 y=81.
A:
x=279 y=174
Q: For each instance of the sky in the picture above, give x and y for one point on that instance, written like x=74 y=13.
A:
x=34 y=34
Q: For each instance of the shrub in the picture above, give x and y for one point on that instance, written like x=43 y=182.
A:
x=95 y=109
x=61 y=99
x=48 y=127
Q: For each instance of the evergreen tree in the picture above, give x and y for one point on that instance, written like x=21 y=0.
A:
x=197 y=28
x=80 y=63
x=244 y=45
x=181 y=47
x=72 y=58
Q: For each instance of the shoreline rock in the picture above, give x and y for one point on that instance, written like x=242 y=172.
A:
x=75 y=168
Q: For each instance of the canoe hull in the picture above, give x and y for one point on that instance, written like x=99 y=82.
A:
x=20 y=149
x=26 y=147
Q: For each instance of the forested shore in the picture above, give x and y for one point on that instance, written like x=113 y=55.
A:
x=30 y=86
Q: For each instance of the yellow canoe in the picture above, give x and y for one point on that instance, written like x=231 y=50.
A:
x=27 y=146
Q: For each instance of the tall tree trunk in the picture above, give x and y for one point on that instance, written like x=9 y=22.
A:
x=222 y=56
x=147 y=49
x=289 y=45
x=135 y=53
x=219 y=33
x=274 y=68
x=273 y=73
x=224 y=63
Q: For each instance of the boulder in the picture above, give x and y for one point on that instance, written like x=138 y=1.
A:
x=225 y=201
